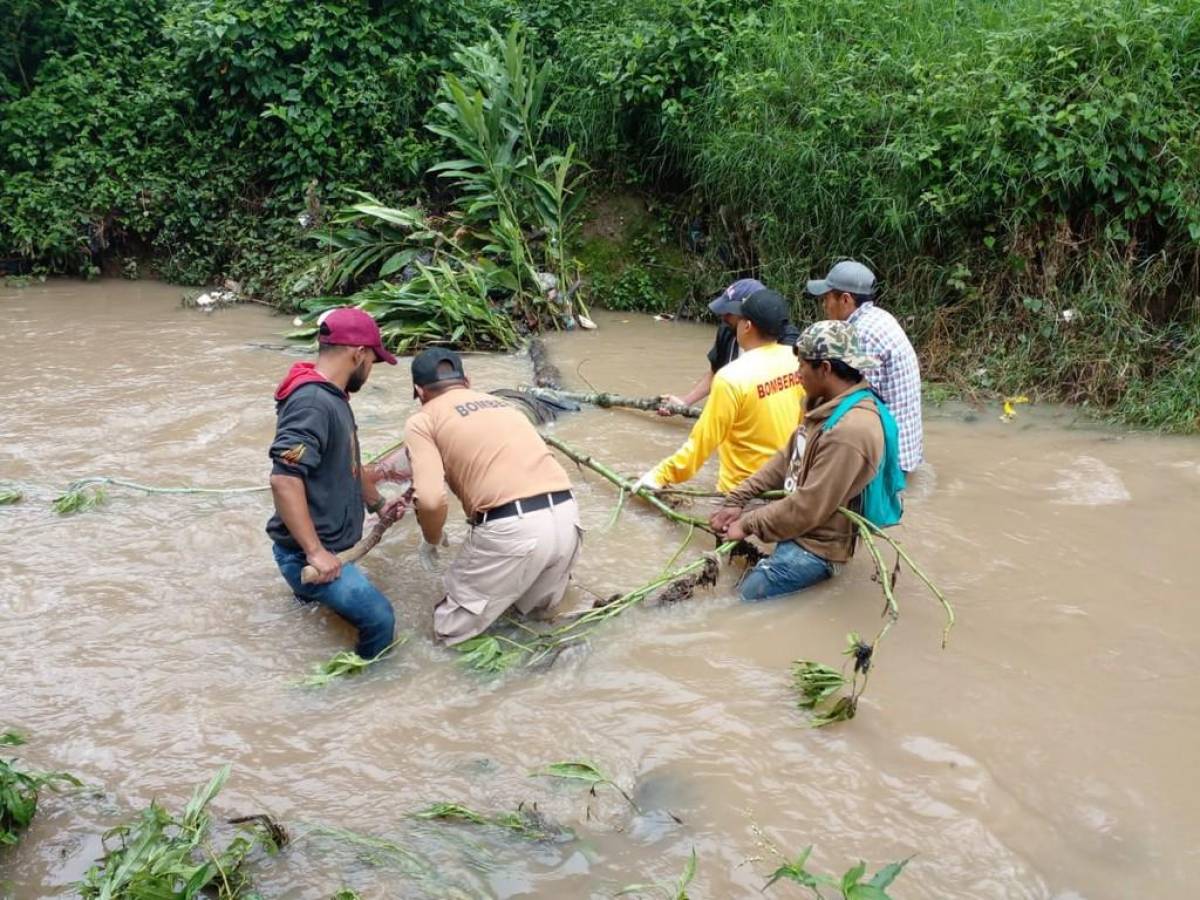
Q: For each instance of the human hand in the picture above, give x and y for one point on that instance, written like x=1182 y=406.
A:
x=328 y=566
x=735 y=532
x=394 y=510
x=669 y=399
x=647 y=481
x=724 y=517
x=427 y=553
x=395 y=467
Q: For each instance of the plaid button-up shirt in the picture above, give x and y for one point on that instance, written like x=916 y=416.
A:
x=898 y=378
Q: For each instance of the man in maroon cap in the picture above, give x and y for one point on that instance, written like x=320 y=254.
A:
x=318 y=482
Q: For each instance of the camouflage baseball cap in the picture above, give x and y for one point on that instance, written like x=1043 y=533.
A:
x=834 y=340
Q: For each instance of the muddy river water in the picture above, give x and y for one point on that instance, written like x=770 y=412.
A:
x=1049 y=751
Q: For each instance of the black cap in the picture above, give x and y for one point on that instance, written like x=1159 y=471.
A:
x=767 y=311
x=426 y=363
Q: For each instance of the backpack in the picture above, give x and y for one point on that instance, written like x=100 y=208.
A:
x=880 y=499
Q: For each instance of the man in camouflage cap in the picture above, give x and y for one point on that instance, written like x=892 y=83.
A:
x=833 y=455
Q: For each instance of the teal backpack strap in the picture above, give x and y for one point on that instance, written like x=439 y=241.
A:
x=845 y=406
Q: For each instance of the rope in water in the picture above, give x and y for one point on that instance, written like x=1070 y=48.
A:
x=95 y=480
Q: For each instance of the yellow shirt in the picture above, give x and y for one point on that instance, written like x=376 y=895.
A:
x=753 y=408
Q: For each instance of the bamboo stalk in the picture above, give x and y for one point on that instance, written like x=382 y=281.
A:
x=188 y=489
x=864 y=523
x=605 y=400
x=624 y=484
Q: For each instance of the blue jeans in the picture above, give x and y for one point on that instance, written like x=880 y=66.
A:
x=349 y=595
x=789 y=569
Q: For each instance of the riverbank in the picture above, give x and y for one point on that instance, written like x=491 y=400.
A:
x=1023 y=176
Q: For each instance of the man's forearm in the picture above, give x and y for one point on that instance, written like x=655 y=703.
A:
x=699 y=390
x=372 y=498
x=291 y=502
x=432 y=521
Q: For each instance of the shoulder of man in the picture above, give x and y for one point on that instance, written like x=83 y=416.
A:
x=860 y=427
x=306 y=403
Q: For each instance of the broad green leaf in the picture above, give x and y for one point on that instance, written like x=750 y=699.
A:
x=885 y=876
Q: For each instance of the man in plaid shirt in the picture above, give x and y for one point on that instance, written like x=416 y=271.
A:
x=848 y=294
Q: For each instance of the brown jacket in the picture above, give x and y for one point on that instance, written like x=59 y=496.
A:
x=821 y=470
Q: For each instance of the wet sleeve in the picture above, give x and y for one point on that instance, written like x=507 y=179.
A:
x=835 y=467
x=710 y=429
x=769 y=478
x=428 y=473
x=301 y=435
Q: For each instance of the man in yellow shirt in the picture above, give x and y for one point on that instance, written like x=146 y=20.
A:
x=753 y=408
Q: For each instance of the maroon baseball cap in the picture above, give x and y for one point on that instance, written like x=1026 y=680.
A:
x=349 y=326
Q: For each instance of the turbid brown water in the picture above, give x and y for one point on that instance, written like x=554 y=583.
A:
x=1048 y=752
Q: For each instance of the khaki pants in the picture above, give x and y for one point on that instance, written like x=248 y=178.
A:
x=523 y=561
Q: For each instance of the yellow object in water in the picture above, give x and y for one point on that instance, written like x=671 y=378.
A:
x=1010 y=407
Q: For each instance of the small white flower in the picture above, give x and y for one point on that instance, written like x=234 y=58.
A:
x=1068 y=315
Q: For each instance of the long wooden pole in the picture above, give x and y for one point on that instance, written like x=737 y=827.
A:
x=609 y=401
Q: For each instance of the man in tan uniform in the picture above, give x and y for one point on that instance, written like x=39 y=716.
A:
x=525 y=535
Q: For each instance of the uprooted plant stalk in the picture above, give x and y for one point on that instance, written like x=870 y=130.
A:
x=88 y=493
x=524 y=822
x=19 y=791
x=624 y=484
x=165 y=855
x=816 y=683
x=617 y=401
x=495 y=653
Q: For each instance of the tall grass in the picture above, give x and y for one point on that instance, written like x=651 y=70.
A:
x=1023 y=175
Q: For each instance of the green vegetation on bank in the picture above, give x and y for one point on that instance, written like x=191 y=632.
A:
x=1023 y=175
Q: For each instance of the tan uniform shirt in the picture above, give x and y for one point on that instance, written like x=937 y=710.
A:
x=483 y=447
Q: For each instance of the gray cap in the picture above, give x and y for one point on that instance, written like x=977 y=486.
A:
x=848 y=276
x=729 y=301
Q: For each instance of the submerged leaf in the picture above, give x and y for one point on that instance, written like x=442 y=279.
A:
x=814 y=682
x=346 y=662
x=574 y=770
x=842 y=711
x=79 y=499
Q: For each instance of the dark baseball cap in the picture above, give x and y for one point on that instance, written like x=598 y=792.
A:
x=425 y=367
x=350 y=326
x=729 y=301
x=767 y=311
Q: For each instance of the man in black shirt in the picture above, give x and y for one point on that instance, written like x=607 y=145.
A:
x=317 y=480
x=727 y=306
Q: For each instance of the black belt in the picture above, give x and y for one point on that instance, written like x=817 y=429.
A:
x=517 y=507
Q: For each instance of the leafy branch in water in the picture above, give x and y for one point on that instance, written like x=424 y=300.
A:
x=586 y=772
x=347 y=662
x=161 y=855
x=79 y=498
x=816 y=683
x=9 y=496
x=523 y=822
x=495 y=653
x=675 y=891
x=850 y=885
x=19 y=790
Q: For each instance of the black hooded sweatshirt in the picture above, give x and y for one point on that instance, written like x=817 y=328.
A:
x=316 y=439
